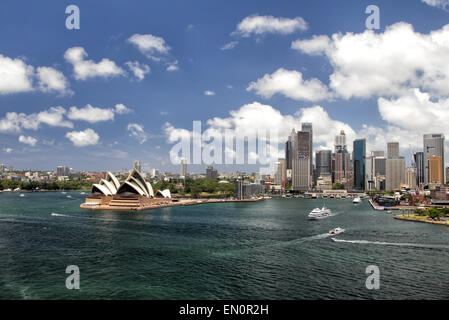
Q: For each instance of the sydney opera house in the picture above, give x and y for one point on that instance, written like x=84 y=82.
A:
x=133 y=193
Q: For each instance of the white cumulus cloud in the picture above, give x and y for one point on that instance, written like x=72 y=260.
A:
x=15 y=75
x=83 y=138
x=259 y=25
x=84 y=69
x=291 y=84
x=149 y=45
x=209 y=93
x=138 y=69
x=16 y=122
x=51 y=79
x=384 y=64
x=137 y=132
x=90 y=114
x=28 y=140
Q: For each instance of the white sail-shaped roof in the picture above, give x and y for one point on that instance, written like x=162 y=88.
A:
x=109 y=185
x=142 y=186
x=165 y=193
x=110 y=176
x=150 y=189
x=133 y=186
x=103 y=189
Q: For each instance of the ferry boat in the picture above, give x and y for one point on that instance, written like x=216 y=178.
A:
x=318 y=213
x=337 y=230
x=356 y=200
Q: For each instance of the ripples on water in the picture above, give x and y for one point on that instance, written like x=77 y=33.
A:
x=218 y=251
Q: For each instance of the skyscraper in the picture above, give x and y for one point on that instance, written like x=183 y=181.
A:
x=289 y=150
x=307 y=127
x=395 y=173
x=342 y=161
x=392 y=150
x=301 y=161
x=433 y=145
x=435 y=170
x=359 y=163
x=183 y=168
x=410 y=177
x=340 y=141
x=419 y=165
x=323 y=162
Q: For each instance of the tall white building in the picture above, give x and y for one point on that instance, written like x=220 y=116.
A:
x=183 y=168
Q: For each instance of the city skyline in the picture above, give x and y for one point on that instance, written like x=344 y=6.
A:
x=112 y=92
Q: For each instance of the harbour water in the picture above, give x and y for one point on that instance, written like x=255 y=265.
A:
x=262 y=250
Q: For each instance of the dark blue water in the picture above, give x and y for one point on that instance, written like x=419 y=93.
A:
x=264 y=250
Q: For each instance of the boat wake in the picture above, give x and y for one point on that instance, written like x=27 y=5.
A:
x=58 y=215
x=399 y=244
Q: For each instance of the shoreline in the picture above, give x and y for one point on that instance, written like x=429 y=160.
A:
x=410 y=218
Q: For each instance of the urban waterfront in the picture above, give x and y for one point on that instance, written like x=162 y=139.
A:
x=262 y=250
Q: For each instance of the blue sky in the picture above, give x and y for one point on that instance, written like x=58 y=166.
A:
x=194 y=34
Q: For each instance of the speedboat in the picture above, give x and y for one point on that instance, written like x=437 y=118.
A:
x=337 y=230
x=318 y=213
x=21 y=195
x=356 y=200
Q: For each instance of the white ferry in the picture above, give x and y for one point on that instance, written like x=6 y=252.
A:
x=318 y=213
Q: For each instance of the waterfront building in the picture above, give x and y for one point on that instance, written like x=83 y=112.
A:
x=410 y=177
x=359 y=151
x=392 y=150
x=2 y=168
x=435 y=170
x=324 y=182
x=433 y=145
x=419 y=166
x=211 y=173
x=283 y=172
x=395 y=173
x=301 y=176
x=183 y=168
x=245 y=190
x=133 y=187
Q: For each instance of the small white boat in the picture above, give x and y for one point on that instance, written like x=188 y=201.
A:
x=356 y=200
x=21 y=195
x=82 y=193
x=337 y=230
x=318 y=213
x=63 y=192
